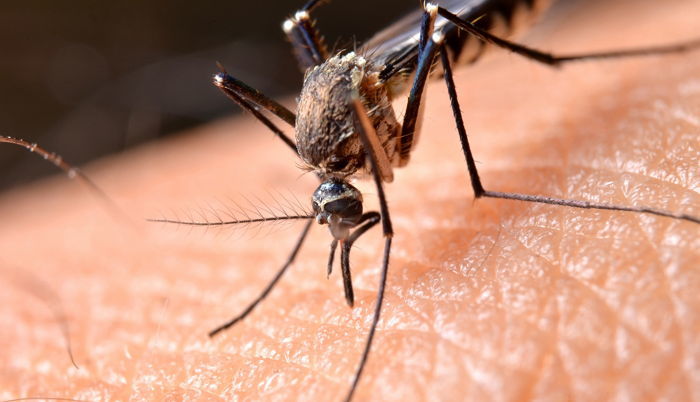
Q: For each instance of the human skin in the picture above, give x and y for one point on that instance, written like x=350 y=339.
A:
x=486 y=299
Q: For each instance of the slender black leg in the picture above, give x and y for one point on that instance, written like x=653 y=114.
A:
x=271 y=285
x=425 y=60
x=309 y=47
x=247 y=98
x=556 y=60
x=370 y=219
x=426 y=26
x=479 y=190
x=232 y=86
x=456 y=111
x=365 y=125
x=331 y=257
x=312 y=4
x=71 y=171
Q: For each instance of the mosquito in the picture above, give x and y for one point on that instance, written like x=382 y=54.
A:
x=345 y=125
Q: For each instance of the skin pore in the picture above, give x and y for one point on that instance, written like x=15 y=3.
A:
x=486 y=299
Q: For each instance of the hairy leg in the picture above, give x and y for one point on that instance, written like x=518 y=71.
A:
x=487 y=299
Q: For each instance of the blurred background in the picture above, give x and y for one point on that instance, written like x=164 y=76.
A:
x=85 y=78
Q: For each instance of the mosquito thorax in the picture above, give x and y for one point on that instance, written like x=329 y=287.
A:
x=338 y=204
x=326 y=133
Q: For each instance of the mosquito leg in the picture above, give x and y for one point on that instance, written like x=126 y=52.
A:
x=425 y=60
x=71 y=171
x=557 y=60
x=312 y=4
x=232 y=86
x=479 y=190
x=370 y=219
x=309 y=47
x=271 y=285
x=247 y=97
x=388 y=231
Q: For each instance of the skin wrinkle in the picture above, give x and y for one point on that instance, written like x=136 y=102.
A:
x=649 y=342
x=677 y=319
x=308 y=369
x=579 y=169
x=684 y=341
x=563 y=352
x=626 y=325
x=474 y=353
x=285 y=360
x=551 y=350
x=557 y=352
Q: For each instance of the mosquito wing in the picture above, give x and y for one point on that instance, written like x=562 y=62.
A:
x=396 y=47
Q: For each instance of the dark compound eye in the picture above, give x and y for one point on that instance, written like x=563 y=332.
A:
x=344 y=207
x=339 y=198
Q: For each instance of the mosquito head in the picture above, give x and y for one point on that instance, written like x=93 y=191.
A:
x=338 y=204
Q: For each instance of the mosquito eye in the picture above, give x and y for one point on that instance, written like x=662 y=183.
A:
x=344 y=207
x=339 y=198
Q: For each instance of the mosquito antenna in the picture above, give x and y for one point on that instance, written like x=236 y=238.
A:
x=201 y=213
x=261 y=218
x=295 y=203
x=253 y=208
x=266 y=207
x=71 y=171
x=215 y=212
x=232 y=206
x=277 y=205
x=268 y=211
